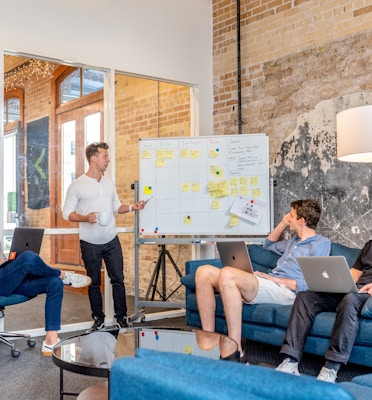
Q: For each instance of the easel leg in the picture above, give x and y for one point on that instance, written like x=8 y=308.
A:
x=161 y=266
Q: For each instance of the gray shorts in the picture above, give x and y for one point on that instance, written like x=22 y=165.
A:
x=271 y=292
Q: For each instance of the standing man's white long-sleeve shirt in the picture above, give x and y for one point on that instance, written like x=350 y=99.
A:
x=86 y=195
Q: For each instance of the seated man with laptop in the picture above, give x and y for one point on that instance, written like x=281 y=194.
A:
x=347 y=302
x=25 y=273
x=280 y=286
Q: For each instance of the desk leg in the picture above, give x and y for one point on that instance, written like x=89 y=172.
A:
x=61 y=390
x=61 y=384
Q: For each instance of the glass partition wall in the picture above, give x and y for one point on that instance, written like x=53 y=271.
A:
x=51 y=111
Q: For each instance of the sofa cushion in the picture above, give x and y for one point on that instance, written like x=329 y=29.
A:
x=282 y=315
x=263 y=260
x=367 y=309
x=364 y=380
x=260 y=313
x=351 y=254
x=364 y=336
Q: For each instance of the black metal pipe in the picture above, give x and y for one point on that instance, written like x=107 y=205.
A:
x=239 y=71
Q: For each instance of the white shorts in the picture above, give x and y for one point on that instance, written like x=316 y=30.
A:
x=271 y=292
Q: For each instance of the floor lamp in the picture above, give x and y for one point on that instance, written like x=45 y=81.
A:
x=354 y=134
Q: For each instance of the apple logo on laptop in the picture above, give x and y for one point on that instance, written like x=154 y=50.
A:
x=325 y=274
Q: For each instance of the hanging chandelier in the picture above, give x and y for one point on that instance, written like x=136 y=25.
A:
x=25 y=74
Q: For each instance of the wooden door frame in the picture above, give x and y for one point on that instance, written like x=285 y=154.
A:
x=57 y=109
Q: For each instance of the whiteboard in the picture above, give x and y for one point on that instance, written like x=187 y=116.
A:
x=209 y=185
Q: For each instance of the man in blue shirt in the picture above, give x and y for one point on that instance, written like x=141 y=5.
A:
x=279 y=286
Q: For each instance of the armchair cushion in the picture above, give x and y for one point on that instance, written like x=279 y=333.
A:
x=13 y=299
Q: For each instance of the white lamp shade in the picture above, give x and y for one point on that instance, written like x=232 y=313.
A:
x=354 y=134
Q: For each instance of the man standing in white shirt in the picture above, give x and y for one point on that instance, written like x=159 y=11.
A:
x=92 y=201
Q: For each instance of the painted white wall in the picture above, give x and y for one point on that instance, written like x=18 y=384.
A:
x=165 y=39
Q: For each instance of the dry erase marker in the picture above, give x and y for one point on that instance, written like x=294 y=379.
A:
x=148 y=199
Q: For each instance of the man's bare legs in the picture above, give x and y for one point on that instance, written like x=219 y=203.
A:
x=206 y=280
x=236 y=286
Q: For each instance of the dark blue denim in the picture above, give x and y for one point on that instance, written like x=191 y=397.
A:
x=111 y=253
x=29 y=275
x=345 y=329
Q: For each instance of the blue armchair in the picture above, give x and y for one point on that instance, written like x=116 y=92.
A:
x=8 y=301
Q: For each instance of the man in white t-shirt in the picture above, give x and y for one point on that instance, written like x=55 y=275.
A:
x=92 y=201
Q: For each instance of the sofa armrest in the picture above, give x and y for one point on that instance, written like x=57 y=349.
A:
x=162 y=375
x=188 y=279
x=192 y=265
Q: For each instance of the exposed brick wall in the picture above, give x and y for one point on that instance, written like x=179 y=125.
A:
x=296 y=56
x=271 y=30
x=146 y=109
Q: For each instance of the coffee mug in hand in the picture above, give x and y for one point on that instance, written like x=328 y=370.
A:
x=103 y=217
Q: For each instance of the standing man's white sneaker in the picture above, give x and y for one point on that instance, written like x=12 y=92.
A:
x=76 y=280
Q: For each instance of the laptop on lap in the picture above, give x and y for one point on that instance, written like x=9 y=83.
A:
x=25 y=239
x=235 y=254
x=329 y=274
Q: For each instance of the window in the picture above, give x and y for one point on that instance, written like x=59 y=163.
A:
x=79 y=83
x=12 y=110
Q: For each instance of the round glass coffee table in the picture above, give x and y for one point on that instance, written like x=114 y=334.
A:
x=93 y=353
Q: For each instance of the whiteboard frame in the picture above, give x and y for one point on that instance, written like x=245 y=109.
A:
x=216 y=221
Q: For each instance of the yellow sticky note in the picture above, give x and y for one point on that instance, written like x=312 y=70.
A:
x=160 y=154
x=216 y=171
x=160 y=162
x=147 y=190
x=243 y=191
x=184 y=153
x=186 y=187
x=146 y=154
x=169 y=153
x=256 y=192
x=222 y=186
x=187 y=220
x=216 y=205
x=234 y=220
x=195 y=187
x=195 y=154
x=254 y=181
x=213 y=154
x=234 y=192
x=243 y=180
x=212 y=185
x=234 y=182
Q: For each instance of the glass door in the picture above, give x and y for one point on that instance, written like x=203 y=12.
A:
x=76 y=129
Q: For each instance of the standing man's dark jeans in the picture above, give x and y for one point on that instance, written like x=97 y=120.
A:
x=345 y=329
x=112 y=254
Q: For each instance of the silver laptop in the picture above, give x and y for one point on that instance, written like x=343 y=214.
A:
x=25 y=239
x=327 y=274
x=235 y=254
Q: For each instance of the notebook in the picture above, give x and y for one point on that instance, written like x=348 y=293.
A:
x=327 y=274
x=235 y=254
x=25 y=239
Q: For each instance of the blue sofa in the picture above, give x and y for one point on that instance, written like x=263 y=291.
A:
x=267 y=323
x=167 y=376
